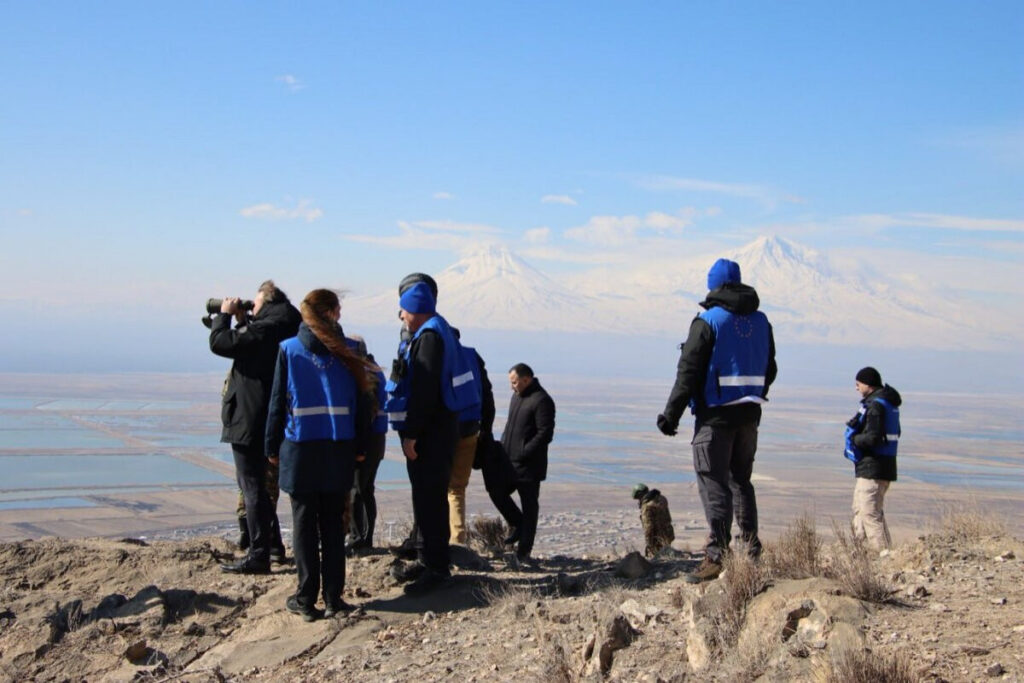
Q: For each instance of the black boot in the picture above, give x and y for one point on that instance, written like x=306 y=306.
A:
x=243 y=533
x=277 y=552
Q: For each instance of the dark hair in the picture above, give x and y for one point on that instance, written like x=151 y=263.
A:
x=271 y=294
x=412 y=278
x=522 y=369
x=314 y=309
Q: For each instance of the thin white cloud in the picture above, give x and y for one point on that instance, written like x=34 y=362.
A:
x=443 y=195
x=291 y=82
x=611 y=231
x=303 y=210
x=880 y=221
x=24 y=212
x=558 y=199
x=767 y=196
x=537 y=235
x=442 y=235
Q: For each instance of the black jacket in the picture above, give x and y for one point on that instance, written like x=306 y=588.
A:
x=528 y=431
x=872 y=434
x=426 y=409
x=253 y=347
x=312 y=466
x=695 y=357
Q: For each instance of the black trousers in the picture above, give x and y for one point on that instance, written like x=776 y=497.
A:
x=524 y=520
x=318 y=542
x=723 y=459
x=251 y=473
x=364 y=501
x=429 y=474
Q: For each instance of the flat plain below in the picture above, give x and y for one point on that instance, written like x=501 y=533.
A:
x=138 y=455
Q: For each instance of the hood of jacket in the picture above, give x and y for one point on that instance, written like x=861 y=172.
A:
x=734 y=297
x=280 y=315
x=888 y=394
x=311 y=342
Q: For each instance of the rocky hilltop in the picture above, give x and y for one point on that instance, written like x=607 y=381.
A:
x=945 y=607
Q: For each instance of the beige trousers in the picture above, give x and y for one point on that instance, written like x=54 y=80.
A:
x=868 y=515
x=462 y=467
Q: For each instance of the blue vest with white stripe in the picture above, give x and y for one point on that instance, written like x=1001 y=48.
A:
x=461 y=386
x=474 y=411
x=321 y=396
x=739 y=359
x=892 y=432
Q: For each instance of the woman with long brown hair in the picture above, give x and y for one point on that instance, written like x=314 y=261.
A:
x=320 y=413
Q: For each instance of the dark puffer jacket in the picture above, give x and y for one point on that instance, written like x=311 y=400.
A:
x=872 y=434
x=253 y=348
x=695 y=357
x=529 y=429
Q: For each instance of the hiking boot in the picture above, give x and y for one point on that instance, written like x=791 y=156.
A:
x=243 y=533
x=293 y=605
x=402 y=572
x=405 y=551
x=247 y=565
x=705 y=571
x=428 y=580
x=278 y=555
x=338 y=606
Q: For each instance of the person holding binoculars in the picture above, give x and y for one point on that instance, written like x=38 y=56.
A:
x=252 y=345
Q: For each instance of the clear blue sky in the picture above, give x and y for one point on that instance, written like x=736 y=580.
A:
x=152 y=154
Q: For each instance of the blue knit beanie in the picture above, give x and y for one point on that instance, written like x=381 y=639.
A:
x=723 y=272
x=417 y=299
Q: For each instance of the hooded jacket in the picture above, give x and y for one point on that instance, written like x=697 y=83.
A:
x=253 y=347
x=695 y=358
x=872 y=435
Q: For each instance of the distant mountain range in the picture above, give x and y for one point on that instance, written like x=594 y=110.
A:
x=805 y=296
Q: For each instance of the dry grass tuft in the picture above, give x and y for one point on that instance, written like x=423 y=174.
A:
x=487 y=535
x=742 y=578
x=865 y=666
x=508 y=598
x=853 y=567
x=556 y=664
x=797 y=552
x=966 y=524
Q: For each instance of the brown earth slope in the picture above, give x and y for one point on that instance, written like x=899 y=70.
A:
x=107 y=610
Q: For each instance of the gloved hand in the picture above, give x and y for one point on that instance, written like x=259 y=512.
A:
x=664 y=427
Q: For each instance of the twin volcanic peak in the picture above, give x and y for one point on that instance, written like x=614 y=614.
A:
x=808 y=298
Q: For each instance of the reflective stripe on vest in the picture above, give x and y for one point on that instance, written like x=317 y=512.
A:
x=320 y=410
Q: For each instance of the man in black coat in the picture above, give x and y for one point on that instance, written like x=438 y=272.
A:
x=252 y=345
x=725 y=368
x=529 y=429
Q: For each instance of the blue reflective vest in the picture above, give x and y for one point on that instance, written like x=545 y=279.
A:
x=321 y=396
x=892 y=432
x=739 y=359
x=461 y=386
x=473 y=412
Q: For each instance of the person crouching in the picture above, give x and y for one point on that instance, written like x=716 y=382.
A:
x=319 y=421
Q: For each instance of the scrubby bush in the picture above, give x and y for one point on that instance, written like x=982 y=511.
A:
x=797 y=552
x=966 y=524
x=487 y=535
x=865 y=666
x=853 y=567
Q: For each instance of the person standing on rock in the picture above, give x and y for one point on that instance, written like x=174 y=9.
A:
x=252 y=346
x=655 y=518
x=529 y=428
x=725 y=368
x=430 y=385
x=318 y=424
x=872 y=436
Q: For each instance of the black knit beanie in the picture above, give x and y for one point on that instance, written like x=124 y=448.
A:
x=869 y=376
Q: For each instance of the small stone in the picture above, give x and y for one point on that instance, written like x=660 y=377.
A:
x=425 y=641
x=938 y=607
x=1019 y=628
x=998 y=601
x=428 y=616
x=995 y=670
x=917 y=591
x=1008 y=555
